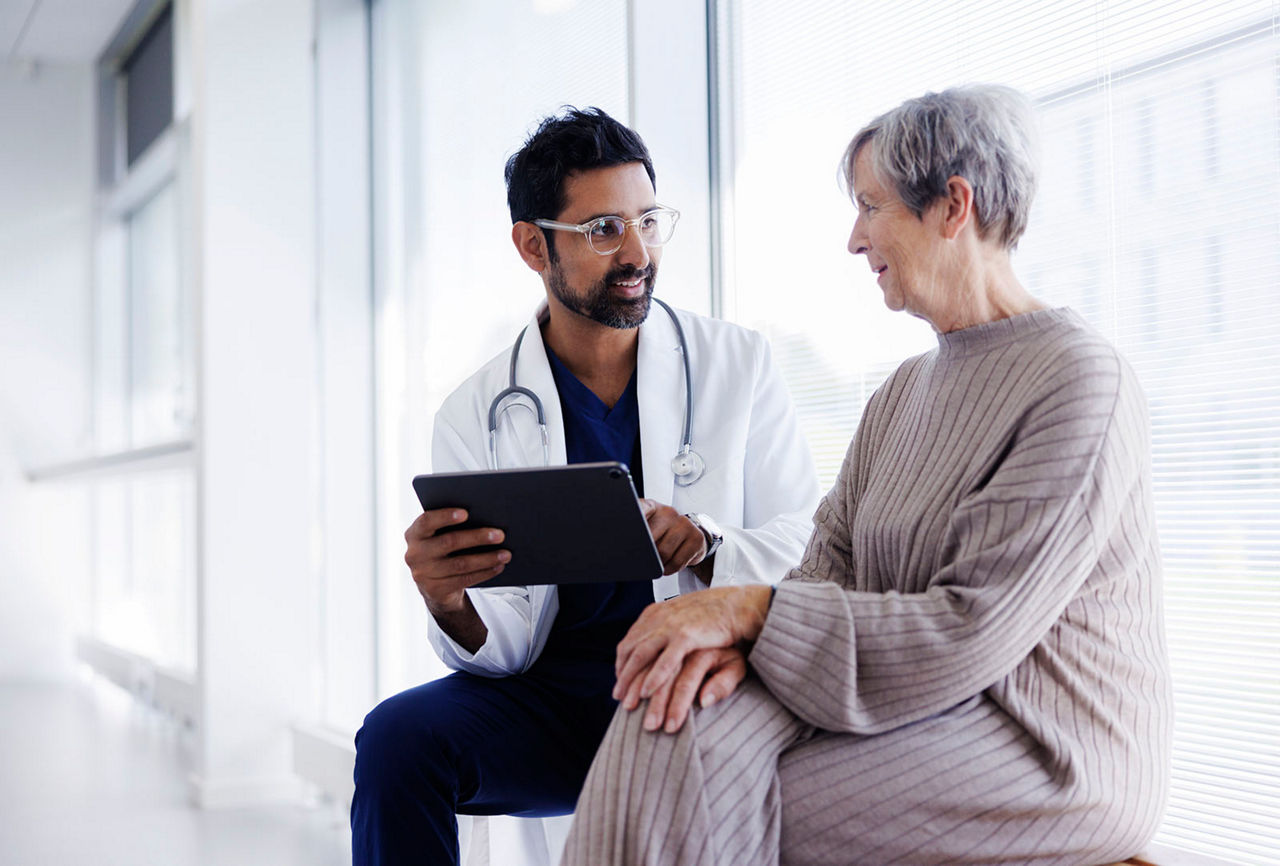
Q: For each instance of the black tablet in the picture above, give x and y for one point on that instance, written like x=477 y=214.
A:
x=563 y=524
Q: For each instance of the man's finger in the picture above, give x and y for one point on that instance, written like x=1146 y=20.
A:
x=678 y=544
x=481 y=577
x=461 y=580
x=457 y=566
x=429 y=522
x=678 y=548
x=668 y=551
x=463 y=539
x=691 y=550
x=648 y=507
x=433 y=553
x=662 y=521
x=471 y=578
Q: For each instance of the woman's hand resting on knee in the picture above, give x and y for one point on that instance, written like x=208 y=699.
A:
x=686 y=648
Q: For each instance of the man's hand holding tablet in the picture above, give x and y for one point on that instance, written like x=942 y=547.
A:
x=443 y=577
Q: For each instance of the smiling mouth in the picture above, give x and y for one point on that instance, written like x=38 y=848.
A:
x=633 y=284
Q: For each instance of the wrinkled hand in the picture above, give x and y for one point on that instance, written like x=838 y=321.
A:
x=679 y=542
x=656 y=659
x=443 y=579
x=709 y=675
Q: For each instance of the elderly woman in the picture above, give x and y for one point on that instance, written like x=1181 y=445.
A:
x=969 y=664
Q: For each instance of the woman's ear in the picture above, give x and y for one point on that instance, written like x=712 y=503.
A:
x=531 y=244
x=958 y=207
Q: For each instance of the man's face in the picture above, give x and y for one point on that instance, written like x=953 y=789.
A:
x=613 y=290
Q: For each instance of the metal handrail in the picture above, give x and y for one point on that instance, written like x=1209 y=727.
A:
x=156 y=456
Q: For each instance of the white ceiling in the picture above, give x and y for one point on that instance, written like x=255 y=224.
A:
x=59 y=31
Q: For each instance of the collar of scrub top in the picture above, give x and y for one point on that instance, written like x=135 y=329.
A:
x=661 y=355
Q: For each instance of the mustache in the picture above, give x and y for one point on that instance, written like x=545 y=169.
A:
x=629 y=272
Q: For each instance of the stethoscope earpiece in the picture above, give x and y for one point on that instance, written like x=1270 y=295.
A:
x=687 y=465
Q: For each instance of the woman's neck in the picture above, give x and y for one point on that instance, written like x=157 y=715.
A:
x=984 y=290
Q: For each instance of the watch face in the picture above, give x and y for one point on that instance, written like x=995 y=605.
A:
x=708 y=526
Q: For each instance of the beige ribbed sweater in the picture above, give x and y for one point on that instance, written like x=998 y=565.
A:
x=968 y=665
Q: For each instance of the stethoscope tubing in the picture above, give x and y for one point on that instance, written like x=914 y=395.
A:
x=687 y=465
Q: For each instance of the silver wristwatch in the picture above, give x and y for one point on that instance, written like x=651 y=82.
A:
x=710 y=531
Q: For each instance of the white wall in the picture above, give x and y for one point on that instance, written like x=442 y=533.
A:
x=669 y=110
x=46 y=194
x=253 y=179
x=345 y=331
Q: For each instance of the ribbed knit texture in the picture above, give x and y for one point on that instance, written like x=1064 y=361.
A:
x=970 y=660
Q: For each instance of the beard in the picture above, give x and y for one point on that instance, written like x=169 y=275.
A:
x=600 y=304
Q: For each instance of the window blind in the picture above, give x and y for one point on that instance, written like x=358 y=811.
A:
x=1157 y=220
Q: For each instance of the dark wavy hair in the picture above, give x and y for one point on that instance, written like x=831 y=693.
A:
x=572 y=141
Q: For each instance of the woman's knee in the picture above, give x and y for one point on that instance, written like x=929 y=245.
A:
x=717 y=731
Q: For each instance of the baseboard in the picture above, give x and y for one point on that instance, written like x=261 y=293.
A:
x=233 y=793
x=326 y=758
x=172 y=692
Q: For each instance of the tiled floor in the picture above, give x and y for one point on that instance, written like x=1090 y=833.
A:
x=86 y=777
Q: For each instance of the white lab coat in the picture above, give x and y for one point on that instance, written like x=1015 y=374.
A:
x=759 y=485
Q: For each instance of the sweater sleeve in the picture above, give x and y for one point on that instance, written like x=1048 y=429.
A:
x=1018 y=548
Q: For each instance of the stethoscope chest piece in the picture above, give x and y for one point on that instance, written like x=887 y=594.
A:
x=687 y=466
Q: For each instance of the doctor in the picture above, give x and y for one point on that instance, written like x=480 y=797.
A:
x=696 y=409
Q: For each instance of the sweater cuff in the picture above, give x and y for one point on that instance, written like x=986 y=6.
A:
x=803 y=634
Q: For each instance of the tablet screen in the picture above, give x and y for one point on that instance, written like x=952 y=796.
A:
x=563 y=524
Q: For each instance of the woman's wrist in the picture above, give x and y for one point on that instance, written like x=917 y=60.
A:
x=755 y=607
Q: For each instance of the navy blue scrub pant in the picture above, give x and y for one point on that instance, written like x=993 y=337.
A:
x=519 y=745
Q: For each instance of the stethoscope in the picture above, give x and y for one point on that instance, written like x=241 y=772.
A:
x=687 y=465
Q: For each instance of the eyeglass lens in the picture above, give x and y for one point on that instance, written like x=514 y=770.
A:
x=606 y=234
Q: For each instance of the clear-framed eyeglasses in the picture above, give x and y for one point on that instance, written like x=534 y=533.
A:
x=606 y=234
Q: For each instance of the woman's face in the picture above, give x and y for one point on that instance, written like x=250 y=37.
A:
x=901 y=248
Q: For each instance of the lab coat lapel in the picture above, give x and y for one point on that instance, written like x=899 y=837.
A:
x=660 y=392
x=533 y=371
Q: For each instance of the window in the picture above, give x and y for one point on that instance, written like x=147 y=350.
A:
x=456 y=89
x=1156 y=220
x=160 y=363
x=144 y=566
x=143 y=482
x=144 y=352
x=147 y=80
x=144 y=518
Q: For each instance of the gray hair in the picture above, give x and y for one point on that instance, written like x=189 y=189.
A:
x=984 y=133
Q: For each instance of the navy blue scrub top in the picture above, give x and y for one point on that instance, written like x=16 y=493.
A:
x=593 y=618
